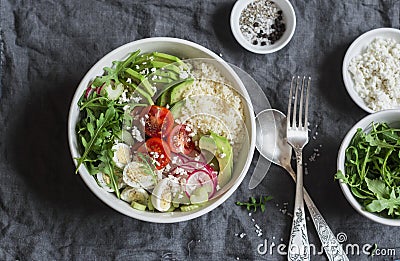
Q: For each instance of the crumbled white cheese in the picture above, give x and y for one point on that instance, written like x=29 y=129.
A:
x=123 y=98
x=136 y=99
x=376 y=74
x=142 y=121
x=183 y=75
x=136 y=134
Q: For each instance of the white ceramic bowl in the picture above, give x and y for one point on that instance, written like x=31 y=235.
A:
x=180 y=48
x=392 y=117
x=356 y=48
x=290 y=22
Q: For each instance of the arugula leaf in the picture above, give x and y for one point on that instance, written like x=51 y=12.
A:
x=98 y=134
x=379 y=205
x=378 y=187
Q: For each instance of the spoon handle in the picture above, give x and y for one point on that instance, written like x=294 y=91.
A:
x=299 y=248
x=332 y=247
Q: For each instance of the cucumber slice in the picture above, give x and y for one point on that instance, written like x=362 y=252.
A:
x=113 y=92
x=181 y=198
x=200 y=195
x=138 y=206
x=189 y=208
x=171 y=209
x=150 y=204
x=127 y=138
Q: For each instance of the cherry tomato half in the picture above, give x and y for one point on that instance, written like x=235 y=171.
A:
x=158 y=150
x=180 y=140
x=158 y=121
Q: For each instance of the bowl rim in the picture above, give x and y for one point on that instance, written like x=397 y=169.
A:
x=88 y=179
x=347 y=79
x=235 y=15
x=341 y=160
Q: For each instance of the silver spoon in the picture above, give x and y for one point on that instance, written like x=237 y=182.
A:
x=273 y=146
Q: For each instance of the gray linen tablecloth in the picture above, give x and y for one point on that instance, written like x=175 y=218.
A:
x=46 y=211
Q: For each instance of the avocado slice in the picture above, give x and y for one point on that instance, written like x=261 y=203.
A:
x=177 y=109
x=173 y=92
x=222 y=150
x=164 y=98
x=178 y=90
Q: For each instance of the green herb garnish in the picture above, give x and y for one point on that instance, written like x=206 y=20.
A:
x=253 y=204
x=372 y=169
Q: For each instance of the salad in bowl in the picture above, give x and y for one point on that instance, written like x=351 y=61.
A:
x=161 y=134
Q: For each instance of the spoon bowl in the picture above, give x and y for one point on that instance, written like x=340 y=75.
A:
x=271 y=137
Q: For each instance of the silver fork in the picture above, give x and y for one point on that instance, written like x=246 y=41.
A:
x=297 y=137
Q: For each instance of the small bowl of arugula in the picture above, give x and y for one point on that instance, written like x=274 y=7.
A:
x=369 y=167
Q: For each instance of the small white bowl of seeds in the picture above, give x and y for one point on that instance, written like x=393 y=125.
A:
x=263 y=26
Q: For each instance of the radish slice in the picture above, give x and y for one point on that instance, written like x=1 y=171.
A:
x=187 y=168
x=98 y=89
x=88 y=91
x=199 y=178
x=198 y=165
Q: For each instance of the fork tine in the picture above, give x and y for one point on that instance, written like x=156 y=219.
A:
x=301 y=104
x=290 y=103
x=295 y=102
x=307 y=95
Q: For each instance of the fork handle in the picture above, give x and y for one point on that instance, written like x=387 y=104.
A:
x=299 y=248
